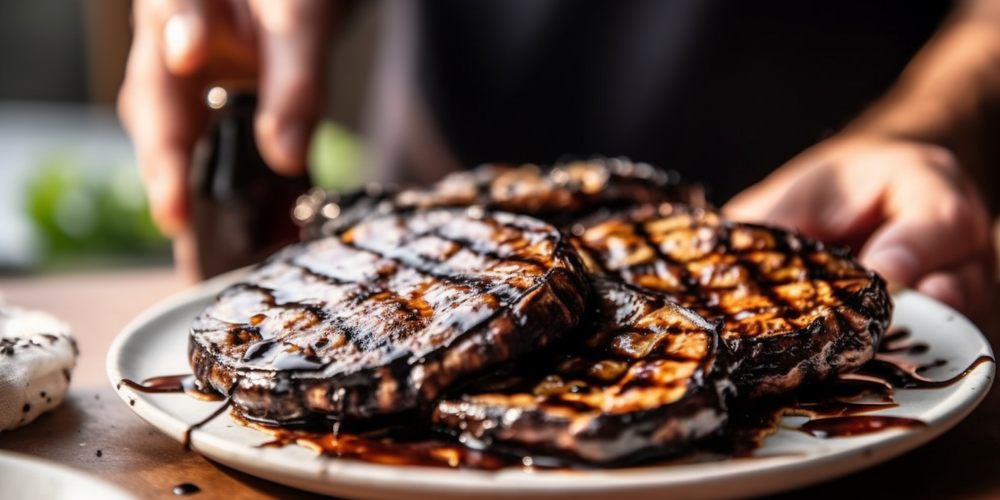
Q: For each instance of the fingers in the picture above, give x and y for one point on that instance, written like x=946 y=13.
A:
x=965 y=287
x=293 y=38
x=186 y=257
x=908 y=206
x=162 y=113
x=832 y=192
x=174 y=57
x=813 y=204
x=184 y=30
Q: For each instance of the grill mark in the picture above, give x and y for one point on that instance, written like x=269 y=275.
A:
x=723 y=246
x=843 y=290
x=575 y=406
x=642 y=383
x=427 y=269
x=815 y=272
x=818 y=272
x=351 y=334
x=468 y=245
x=763 y=286
x=367 y=292
x=685 y=278
x=421 y=266
x=363 y=343
x=602 y=352
x=653 y=356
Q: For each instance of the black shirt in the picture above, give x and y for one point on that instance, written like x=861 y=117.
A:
x=722 y=91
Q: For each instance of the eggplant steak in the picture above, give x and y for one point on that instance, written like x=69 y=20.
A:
x=555 y=194
x=385 y=315
x=795 y=311
x=640 y=375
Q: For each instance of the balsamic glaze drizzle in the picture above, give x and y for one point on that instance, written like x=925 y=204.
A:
x=172 y=383
x=837 y=408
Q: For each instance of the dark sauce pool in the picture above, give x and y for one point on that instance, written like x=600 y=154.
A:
x=837 y=408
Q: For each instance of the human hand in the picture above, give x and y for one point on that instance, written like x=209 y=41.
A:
x=908 y=206
x=182 y=47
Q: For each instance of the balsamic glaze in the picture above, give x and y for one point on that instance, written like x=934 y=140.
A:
x=392 y=445
x=172 y=383
x=855 y=426
x=837 y=408
x=906 y=375
x=186 y=441
x=176 y=384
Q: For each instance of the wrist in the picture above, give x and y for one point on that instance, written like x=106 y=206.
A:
x=948 y=93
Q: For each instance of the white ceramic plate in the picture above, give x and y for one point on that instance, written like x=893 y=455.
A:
x=155 y=344
x=28 y=478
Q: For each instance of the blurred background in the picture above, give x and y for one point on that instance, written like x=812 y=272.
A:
x=70 y=193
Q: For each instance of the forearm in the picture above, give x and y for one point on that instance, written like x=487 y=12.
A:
x=950 y=93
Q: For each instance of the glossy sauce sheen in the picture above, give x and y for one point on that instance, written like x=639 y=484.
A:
x=838 y=408
x=370 y=322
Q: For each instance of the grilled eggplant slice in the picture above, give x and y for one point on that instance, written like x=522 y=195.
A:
x=640 y=375
x=794 y=310
x=556 y=194
x=385 y=315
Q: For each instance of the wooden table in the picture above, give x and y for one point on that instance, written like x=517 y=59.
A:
x=95 y=432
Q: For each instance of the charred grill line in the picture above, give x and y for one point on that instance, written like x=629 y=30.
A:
x=368 y=292
x=685 y=277
x=763 y=285
x=427 y=268
x=322 y=314
x=424 y=267
x=469 y=245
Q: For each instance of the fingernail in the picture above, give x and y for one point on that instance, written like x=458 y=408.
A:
x=179 y=35
x=898 y=265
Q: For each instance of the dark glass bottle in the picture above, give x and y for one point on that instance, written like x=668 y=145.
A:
x=241 y=210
